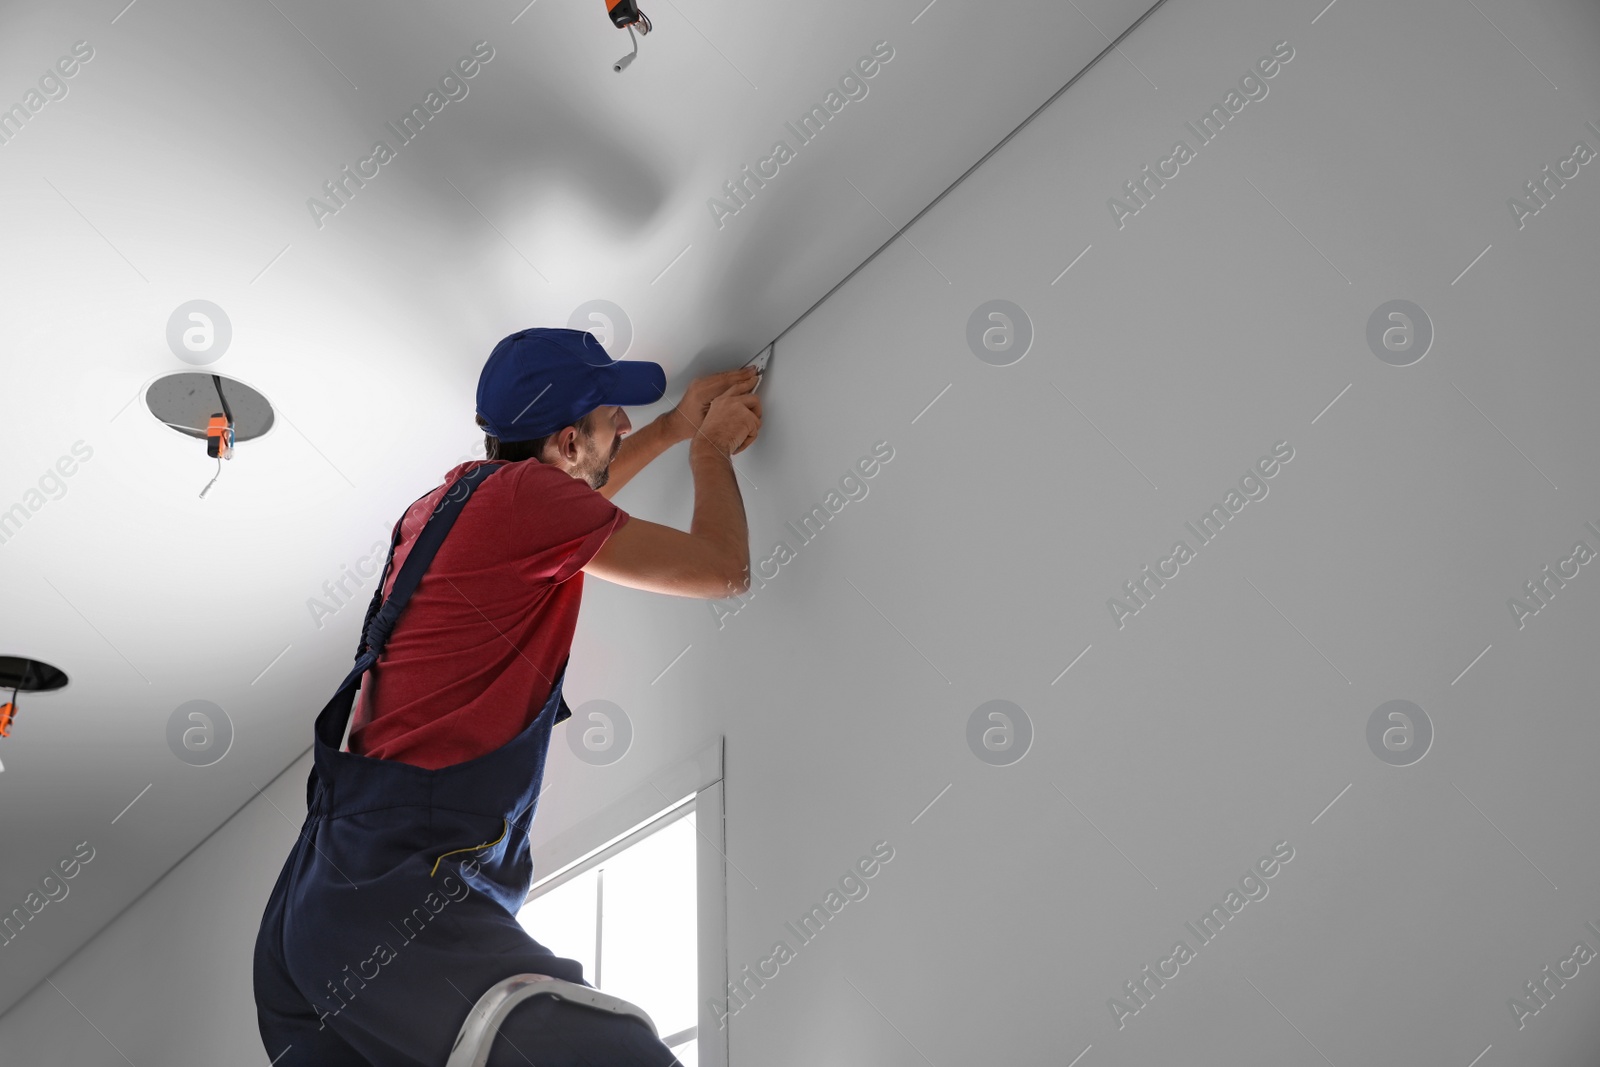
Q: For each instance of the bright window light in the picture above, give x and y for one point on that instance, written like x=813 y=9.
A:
x=630 y=918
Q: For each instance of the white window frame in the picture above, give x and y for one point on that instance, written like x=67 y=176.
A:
x=694 y=784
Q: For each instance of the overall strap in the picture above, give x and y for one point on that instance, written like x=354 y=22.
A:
x=381 y=619
x=382 y=615
x=383 y=580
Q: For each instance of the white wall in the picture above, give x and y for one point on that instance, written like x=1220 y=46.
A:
x=168 y=982
x=1229 y=315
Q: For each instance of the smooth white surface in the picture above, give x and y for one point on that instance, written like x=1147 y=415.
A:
x=1230 y=713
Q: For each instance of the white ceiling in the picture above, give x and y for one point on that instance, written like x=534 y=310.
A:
x=178 y=167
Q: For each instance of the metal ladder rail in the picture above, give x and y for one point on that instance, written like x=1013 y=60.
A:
x=482 y=1025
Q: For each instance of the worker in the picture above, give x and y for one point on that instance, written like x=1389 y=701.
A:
x=397 y=907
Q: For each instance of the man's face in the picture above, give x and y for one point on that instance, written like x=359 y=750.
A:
x=610 y=423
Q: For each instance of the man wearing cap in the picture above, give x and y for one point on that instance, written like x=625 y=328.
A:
x=396 y=909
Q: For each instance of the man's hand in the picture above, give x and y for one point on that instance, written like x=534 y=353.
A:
x=684 y=421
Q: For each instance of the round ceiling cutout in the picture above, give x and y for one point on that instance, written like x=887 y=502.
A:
x=29 y=675
x=186 y=401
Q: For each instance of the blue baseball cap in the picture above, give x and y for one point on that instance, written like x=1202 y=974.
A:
x=541 y=379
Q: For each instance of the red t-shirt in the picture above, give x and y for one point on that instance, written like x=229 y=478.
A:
x=475 y=654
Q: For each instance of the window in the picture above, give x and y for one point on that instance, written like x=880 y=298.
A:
x=628 y=912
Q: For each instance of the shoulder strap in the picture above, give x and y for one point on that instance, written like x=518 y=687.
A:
x=383 y=614
x=383 y=580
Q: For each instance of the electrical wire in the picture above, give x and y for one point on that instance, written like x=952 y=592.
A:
x=622 y=64
x=213 y=480
x=218 y=380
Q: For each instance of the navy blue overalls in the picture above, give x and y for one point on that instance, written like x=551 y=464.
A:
x=396 y=909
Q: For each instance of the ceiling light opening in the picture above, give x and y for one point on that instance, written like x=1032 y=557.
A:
x=218 y=410
x=22 y=675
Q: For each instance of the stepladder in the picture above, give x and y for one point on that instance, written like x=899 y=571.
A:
x=482 y=1026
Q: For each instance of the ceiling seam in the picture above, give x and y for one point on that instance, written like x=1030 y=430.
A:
x=948 y=189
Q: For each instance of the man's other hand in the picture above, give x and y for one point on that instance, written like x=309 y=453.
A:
x=684 y=421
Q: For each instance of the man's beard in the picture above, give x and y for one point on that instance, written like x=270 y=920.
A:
x=601 y=477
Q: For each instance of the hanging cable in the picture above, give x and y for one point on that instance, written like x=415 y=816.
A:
x=626 y=14
x=625 y=60
x=213 y=480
